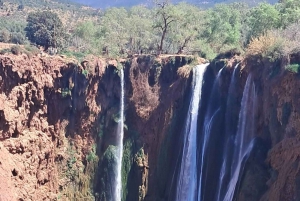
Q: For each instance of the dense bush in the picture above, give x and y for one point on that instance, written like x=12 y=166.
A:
x=165 y=28
x=267 y=46
x=17 y=38
x=45 y=29
x=4 y=35
x=276 y=43
x=293 y=68
x=16 y=49
x=4 y=51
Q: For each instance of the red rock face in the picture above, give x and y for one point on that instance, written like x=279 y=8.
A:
x=28 y=170
x=51 y=118
x=34 y=118
x=283 y=106
x=279 y=126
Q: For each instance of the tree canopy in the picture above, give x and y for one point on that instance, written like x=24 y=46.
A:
x=45 y=29
x=165 y=28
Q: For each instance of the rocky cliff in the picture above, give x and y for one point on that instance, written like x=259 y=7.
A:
x=58 y=125
x=271 y=171
x=58 y=122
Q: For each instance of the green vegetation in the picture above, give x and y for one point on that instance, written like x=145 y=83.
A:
x=45 y=29
x=16 y=49
x=77 y=177
x=12 y=31
x=29 y=50
x=66 y=92
x=295 y=68
x=4 y=51
x=91 y=157
x=107 y=172
x=85 y=73
x=165 y=28
x=183 y=28
x=127 y=165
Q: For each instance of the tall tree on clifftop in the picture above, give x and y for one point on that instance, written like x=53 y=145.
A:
x=185 y=29
x=45 y=29
x=115 y=31
x=166 y=15
x=222 y=27
x=263 y=18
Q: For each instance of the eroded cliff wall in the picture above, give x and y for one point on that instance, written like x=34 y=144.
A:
x=271 y=170
x=58 y=126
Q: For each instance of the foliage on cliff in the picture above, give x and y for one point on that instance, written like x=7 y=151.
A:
x=45 y=29
x=165 y=28
x=183 y=28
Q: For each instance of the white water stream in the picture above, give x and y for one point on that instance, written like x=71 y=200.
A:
x=187 y=181
x=118 y=189
x=244 y=137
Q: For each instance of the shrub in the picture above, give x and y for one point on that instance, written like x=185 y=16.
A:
x=45 y=28
x=16 y=49
x=17 y=38
x=4 y=35
x=268 y=45
x=292 y=35
x=3 y=51
x=32 y=49
x=66 y=92
x=92 y=155
x=295 y=68
x=21 y=7
x=77 y=55
x=85 y=73
x=184 y=71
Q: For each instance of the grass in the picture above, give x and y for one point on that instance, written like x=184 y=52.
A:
x=77 y=55
x=3 y=51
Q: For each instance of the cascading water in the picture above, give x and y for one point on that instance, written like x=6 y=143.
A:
x=244 y=138
x=230 y=132
x=187 y=181
x=212 y=112
x=225 y=142
x=118 y=189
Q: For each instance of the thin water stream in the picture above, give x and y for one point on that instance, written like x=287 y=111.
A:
x=118 y=189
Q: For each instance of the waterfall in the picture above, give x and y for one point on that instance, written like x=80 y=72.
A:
x=230 y=132
x=187 y=181
x=212 y=112
x=118 y=189
x=244 y=138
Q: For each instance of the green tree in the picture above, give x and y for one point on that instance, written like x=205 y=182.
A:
x=262 y=18
x=17 y=38
x=222 y=27
x=184 y=31
x=289 y=12
x=114 y=31
x=166 y=14
x=86 y=30
x=45 y=29
x=4 y=35
x=141 y=36
x=84 y=36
